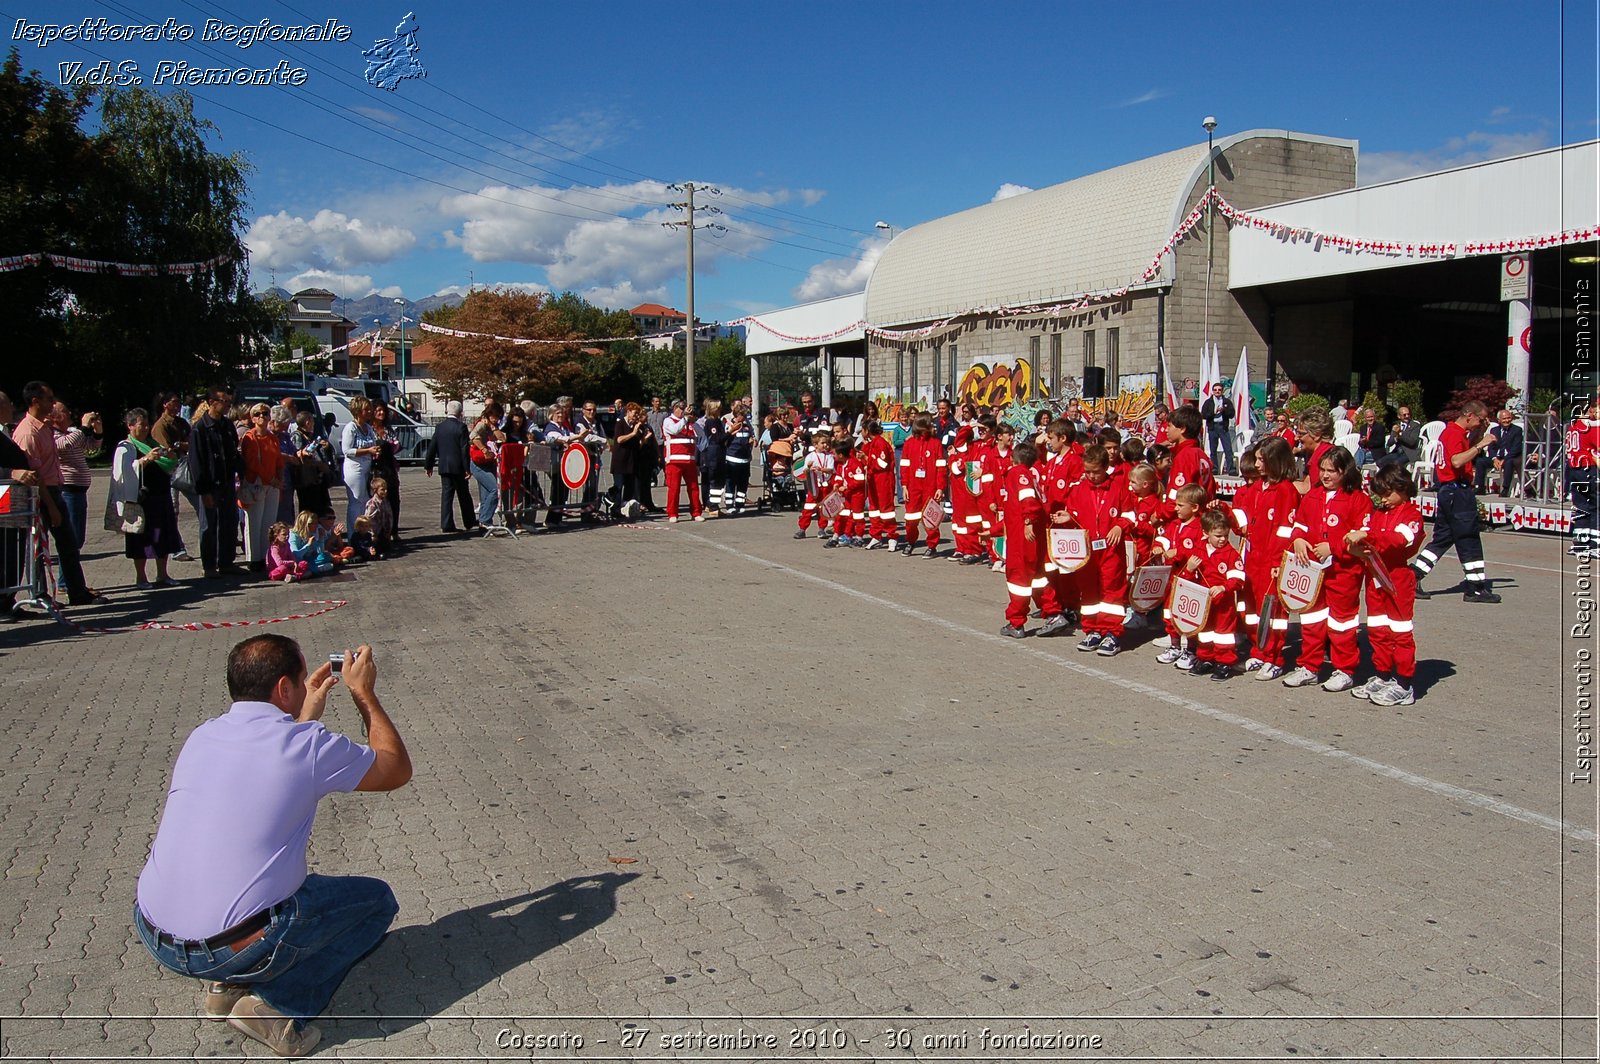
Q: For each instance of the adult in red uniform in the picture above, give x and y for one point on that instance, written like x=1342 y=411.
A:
x=678 y=437
x=877 y=458
x=1456 y=522
x=1583 y=462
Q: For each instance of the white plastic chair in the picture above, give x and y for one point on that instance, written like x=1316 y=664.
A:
x=1350 y=441
x=1342 y=426
x=1430 y=455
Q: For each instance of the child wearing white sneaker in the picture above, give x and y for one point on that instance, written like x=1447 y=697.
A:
x=1327 y=513
x=1391 y=535
x=1180 y=540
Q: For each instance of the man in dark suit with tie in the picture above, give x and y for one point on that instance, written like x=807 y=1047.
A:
x=1505 y=454
x=448 y=449
x=1409 y=438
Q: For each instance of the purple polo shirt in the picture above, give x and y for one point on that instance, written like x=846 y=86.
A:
x=233 y=836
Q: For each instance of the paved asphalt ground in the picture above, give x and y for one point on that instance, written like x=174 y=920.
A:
x=702 y=791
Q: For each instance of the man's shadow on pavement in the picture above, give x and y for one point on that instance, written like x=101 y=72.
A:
x=428 y=969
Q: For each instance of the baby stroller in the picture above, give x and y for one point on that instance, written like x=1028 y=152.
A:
x=783 y=490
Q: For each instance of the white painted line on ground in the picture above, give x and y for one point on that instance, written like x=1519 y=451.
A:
x=1267 y=731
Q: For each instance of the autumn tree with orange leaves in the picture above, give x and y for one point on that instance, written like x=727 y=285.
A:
x=480 y=367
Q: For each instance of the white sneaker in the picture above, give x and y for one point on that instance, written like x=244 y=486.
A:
x=1367 y=689
x=874 y=544
x=672 y=520
x=1169 y=655
x=1253 y=664
x=1269 y=672
x=1185 y=660
x=1394 y=695
x=700 y=517
x=894 y=545
x=1339 y=681
x=1300 y=678
x=998 y=567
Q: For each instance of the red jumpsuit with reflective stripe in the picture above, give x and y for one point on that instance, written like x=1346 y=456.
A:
x=1025 y=580
x=1328 y=628
x=1103 y=581
x=1271 y=532
x=1395 y=536
x=922 y=474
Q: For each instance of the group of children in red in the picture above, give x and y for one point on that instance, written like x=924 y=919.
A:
x=1006 y=497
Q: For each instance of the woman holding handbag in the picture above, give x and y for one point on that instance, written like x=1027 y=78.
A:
x=141 y=500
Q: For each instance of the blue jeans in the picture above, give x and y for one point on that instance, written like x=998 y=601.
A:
x=313 y=941
x=488 y=493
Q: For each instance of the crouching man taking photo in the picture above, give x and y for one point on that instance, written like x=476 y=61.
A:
x=225 y=896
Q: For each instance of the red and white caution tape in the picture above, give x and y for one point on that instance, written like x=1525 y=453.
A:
x=328 y=606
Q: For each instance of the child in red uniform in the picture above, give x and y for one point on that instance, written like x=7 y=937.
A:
x=922 y=472
x=818 y=475
x=849 y=480
x=997 y=462
x=1392 y=533
x=1103 y=508
x=1061 y=469
x=1189 y=462
x=1271 y=533
x=1025 y=524
x=966 y=494
x=1181 y=538
x=877 y=458
x=1325 y=516
x=1218 y=566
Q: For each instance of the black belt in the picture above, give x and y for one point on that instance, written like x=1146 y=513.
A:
x=222 y=939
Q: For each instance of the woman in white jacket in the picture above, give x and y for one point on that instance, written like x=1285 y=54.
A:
x=141 y=491
x=360 y=445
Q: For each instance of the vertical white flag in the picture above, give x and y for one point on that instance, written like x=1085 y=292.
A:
x=1170 y=397
x=1241 y=392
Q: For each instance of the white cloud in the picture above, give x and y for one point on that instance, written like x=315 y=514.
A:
x=837 y=277
x=328 y=240
x=1475 y=147
x=596 y=238
x=344 y=285
x=623 y=296
x=393 y=291
x=1007 y=190
x=1147 y=96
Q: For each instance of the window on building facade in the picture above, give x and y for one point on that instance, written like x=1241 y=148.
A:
x=913 y=396
x=1113 y=351
x=900 y=374
x=1055 y=362
x=1088 y=349
x=938 y=354
x=955 y=377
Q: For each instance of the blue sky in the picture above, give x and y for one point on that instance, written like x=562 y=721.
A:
x=537 y=150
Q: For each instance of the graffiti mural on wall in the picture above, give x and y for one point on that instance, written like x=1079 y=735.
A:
x=1001 y=386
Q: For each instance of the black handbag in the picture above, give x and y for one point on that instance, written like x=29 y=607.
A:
x=183 y=474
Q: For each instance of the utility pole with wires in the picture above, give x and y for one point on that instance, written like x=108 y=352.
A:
x=688 y=188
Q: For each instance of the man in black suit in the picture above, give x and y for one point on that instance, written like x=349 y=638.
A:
x=1217 y=413
x=1409 y=439
x=1505 y=454
x=449 y=449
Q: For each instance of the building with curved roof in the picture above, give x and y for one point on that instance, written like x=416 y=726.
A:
x=1084 y=276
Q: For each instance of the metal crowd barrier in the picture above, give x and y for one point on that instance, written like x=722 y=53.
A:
x=23 y=568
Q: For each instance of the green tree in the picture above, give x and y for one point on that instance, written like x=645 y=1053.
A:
x=143 y=187
x=721 y=370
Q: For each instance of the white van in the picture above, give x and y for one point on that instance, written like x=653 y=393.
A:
x=414 y=437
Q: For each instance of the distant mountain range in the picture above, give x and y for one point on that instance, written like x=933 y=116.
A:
x=363 y=311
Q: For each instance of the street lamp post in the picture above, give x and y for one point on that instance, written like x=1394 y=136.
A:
x=400 y=356
x=1210 y=125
